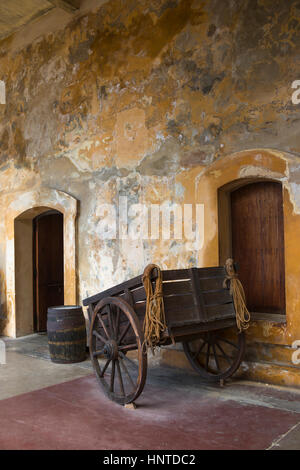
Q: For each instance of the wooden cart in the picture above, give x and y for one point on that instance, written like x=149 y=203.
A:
x=199 y=313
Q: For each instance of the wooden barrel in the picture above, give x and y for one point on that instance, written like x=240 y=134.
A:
x=66 y=334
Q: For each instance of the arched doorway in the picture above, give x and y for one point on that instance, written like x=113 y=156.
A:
x=39 y=267
x=254 y=237
x=29 y=205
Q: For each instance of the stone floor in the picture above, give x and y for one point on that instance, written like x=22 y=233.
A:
x=28 y=367
x=53 y=406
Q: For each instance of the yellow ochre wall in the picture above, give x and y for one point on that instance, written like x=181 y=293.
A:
x=269 y=343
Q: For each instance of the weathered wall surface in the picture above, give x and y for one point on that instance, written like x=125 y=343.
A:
x=152 y=100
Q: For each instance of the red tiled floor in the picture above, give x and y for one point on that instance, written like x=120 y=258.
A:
x=76 y=415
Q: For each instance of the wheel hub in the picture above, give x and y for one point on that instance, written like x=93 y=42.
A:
x=111 y=349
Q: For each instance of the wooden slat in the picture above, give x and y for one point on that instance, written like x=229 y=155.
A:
x=130 y=284
x=181 y=331
x=94 y=304
x=220 y=311
x=178 y=317
x=180 y=309
x=214 y=283
x=90 y=312
x=177 y=288
x=197 y=295
x=138 y=294
x=178 y=302
x=114 y=291
x=217 y=297
x=175 y=274
x=129 y=297
x=217 y=271
x=172 y=274
x=172 y=289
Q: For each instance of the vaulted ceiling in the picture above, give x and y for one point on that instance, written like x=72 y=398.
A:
x=16 y=13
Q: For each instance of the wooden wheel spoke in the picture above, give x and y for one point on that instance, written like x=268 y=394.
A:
x=97 y=334
x=217 y=361
x=199 y=349
x=98 y=353
x=224 y=354
x=117 y=322
x=111 y=323
x=103 y=325
x=112 y=377
x=228 y=342
x=216 y=357
x=120 y=378
x=130 y=361
x=128 y=347
x=207 y=356
x=124 y=333
x=105 y=367
x=123 y=365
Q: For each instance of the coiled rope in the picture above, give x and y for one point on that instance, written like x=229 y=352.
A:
x=238 y=294
x=155 y=321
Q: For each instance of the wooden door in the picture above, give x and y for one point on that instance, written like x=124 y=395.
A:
x=48 y=265
x=258 y=244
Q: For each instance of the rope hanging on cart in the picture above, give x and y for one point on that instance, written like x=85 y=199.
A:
x=238 y=294
x=154 y=322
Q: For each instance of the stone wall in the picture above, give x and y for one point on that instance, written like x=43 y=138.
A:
x=155 y=100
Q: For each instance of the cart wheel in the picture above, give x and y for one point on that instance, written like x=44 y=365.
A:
x=216 y=355
x=117 y=351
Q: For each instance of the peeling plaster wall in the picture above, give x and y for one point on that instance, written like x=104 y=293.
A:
x=153 y=100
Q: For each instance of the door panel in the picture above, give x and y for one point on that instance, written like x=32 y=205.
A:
x=48 y=262
x=258 y=244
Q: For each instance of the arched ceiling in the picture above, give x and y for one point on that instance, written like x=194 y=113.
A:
x=16 y=13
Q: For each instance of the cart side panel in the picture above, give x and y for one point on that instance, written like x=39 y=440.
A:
x=177 y=294
x=180 y=310
x=196 y=296
x=113 y=291
x=218 y=302
x=180 y=298
x=193 y=296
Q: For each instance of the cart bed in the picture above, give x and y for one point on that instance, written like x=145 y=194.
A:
x=191 y=296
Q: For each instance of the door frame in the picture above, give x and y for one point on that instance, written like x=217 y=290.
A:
x=32 y=203
x=225 y=228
